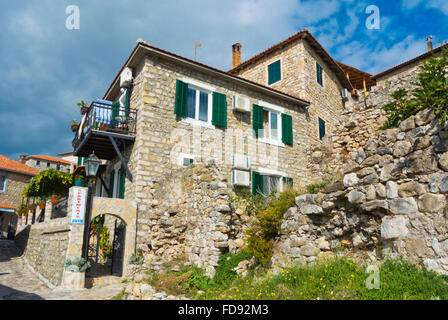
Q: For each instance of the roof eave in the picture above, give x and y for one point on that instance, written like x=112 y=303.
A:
x=200 y=67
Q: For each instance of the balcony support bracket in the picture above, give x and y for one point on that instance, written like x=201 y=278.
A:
x=123 y=162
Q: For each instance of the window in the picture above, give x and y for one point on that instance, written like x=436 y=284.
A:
x=187 y=161
x=3 y=183
x=266 y=182
x=270 y=184
x=321 y=129
x=274 y=72
x=58 y=167
x=271 y=125
x=48 y=164
x=37 y=162
x=319 y=74
x=198 y=104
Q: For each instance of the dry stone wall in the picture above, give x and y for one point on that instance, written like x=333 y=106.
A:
x=393 y=197
x=191 y=218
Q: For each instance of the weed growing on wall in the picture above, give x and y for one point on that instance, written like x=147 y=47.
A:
x=430 y=91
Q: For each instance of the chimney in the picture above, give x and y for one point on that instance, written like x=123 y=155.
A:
x=236 y=55
x=429 y=43
x=23 y=158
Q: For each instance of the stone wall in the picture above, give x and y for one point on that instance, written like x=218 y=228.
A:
x=191 y=218
x=16 y=183
x=393 y=197
x=44 y=247
x=298 y=69
x=358 y=126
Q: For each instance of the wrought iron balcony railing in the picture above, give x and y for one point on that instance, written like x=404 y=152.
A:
x=103 y=117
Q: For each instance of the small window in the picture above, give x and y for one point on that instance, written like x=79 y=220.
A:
x=58 y=167
x=48 y=164
x=321 y=129
x=3 y=183
x=187 y=161
x=274 y=72
x=319 y=74
x=37 y=162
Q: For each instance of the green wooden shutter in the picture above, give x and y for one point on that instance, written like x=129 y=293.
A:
x=274 y=72
x=257 y=183
x=321 y=128
x=319 y=73
x=122 y=183
x=79 y=161
x=115 y=113
x=180 y=103
x=111 y=184
x=287 y=136
x=257 y=119
x=127 y=103
x=219 y=111
x=288 y=181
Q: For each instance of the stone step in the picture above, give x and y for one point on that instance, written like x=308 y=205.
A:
x=102 y=281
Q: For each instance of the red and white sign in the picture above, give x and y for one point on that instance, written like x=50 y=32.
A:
x=78 y=205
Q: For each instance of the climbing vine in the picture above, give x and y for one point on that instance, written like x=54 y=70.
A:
x=48 y=183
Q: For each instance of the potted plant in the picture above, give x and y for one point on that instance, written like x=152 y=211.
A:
x=54 y=199
x=32 y=210
x=84 y=107
x=75 y=125
x=42 y=204
x=74 y=273
x=79 y=180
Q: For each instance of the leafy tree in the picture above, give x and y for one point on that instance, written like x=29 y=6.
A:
x=48 y=183
x=430 y=91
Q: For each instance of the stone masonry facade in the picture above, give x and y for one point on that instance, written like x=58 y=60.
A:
x=16 y=184
x=298 y=69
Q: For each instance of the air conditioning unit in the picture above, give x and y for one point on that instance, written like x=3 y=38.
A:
x=126 y=78
x=240 y=178
x=241 y=104
x=345 y=94
x=240 y=161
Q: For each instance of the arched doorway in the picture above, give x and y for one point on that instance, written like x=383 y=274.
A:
x=107 y=236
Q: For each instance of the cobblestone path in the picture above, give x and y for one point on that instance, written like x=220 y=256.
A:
x=17 y=282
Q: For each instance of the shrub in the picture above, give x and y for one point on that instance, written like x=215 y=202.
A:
x=260 y=240
x=430 y=91
x=224 y=273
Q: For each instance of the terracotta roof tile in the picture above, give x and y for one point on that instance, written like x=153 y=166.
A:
x=48 y=158
x=6 y=206
x=12 y=165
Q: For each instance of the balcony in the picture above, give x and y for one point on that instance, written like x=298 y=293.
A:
x=105 y=128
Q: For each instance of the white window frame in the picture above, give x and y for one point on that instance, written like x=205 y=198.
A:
x=273 y=173
x=271 y=108
x=183 y=156
x=267 y=72
x=116 y=184
x=199 y=86
x=5 y=186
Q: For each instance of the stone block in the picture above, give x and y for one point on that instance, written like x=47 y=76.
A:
x=391 y=190
x=350 y=180
x=392 y=228
x=356 y=196
x=407 y=124
x=432 y=203
x=403 y=206
x=375 y=204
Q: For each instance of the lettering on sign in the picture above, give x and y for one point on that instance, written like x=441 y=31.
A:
x=78 y=205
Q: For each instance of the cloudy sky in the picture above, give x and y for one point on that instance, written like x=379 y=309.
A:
x=46 y=69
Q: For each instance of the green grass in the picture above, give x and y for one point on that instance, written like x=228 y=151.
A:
x=328 y=279
x=336 y=279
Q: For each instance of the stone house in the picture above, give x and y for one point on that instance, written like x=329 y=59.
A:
x=14 y=177
x=181 y=111
x=44 y=162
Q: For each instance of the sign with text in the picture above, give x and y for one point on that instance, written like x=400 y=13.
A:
x=78 y=205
